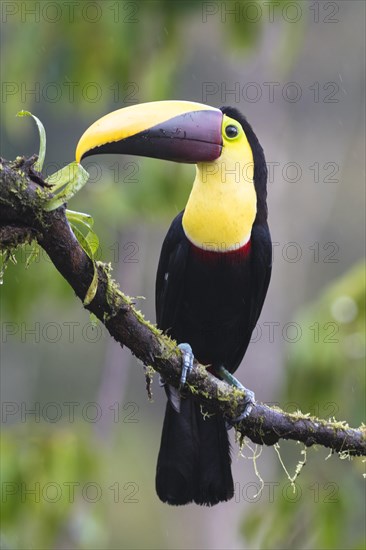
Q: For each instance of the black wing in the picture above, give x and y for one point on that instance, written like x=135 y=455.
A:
x=260 y=275
x=170 y=275
x=262 y=268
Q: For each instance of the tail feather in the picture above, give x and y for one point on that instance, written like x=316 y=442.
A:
x=194 y=463
x=178 y=460
x=215 y=479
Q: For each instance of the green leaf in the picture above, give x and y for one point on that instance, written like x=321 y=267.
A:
x=71 y=178
x=93 y=242
x=73 y=216
x=88 y=250
x=92 y=289
x=83 y=241
x=78 y=221
x=42 y=140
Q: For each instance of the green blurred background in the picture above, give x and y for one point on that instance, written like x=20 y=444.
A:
x=78 y=471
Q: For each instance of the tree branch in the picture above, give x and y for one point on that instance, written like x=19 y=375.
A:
x=22 y=193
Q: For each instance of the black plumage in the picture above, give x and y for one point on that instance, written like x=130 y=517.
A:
x=212 y=301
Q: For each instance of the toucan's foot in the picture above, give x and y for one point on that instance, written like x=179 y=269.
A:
x=187 y=362
x=249 y=398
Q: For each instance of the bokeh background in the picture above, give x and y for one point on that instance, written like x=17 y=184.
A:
x=79 y=435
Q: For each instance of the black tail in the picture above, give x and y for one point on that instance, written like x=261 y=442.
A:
x=194 y=458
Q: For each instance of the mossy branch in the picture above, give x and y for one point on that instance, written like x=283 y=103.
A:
x=23 y=218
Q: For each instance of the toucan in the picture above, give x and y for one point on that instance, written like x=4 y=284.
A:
x=213 y=273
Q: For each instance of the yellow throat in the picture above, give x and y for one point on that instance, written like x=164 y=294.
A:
x=222 y=206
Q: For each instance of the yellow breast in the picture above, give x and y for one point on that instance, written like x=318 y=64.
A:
x=222 y=206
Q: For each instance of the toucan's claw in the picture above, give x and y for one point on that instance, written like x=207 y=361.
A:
x=249 y=398
x=187 y=363
x=249 y=401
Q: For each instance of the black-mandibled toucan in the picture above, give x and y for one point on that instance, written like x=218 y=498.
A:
x=213 y=273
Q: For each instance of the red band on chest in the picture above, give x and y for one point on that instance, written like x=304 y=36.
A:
x=209 y=255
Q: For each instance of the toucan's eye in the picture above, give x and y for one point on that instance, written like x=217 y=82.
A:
x=231 y=131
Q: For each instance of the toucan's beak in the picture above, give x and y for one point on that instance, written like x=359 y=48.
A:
x=181 y=131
